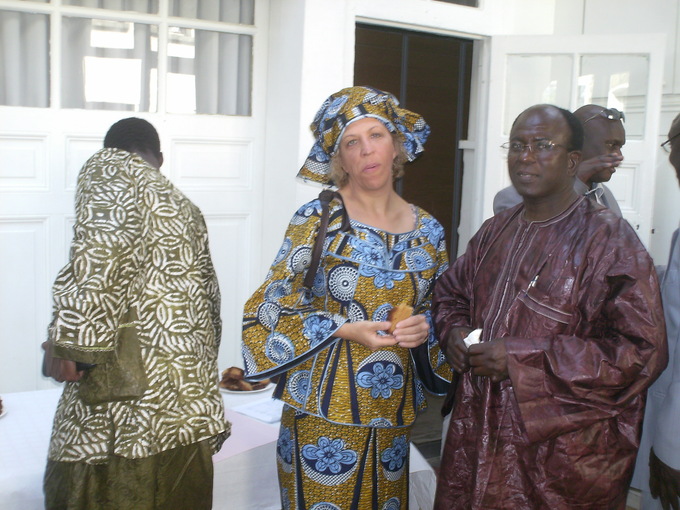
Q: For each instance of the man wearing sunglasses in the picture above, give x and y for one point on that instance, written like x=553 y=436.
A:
x=657 y=471
x=604 y=135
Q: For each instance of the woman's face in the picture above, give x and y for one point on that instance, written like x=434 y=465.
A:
x=366 y=153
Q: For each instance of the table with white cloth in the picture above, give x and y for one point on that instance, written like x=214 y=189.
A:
x=245 y=468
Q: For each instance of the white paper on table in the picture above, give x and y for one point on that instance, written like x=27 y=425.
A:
x=267 y=410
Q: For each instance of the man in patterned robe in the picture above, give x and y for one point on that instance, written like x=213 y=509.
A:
x=140 y=248
x=548 y=407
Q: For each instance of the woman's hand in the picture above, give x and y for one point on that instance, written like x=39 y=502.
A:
x=456 y=351
x=412 y=332
x=366 y=334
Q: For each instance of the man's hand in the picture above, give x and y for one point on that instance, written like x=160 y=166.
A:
x=456 y=351
x=602 y=166
x=412 y=331
x=664 y=482
x=61 y=370
x=489 y=359
x=366 y=334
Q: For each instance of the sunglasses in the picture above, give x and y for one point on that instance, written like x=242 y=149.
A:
x=608 y=113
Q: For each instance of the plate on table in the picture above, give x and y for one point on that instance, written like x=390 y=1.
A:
x=268 y=387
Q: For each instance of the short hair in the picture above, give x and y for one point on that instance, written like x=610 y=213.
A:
x=575 y=126
x=133 y=135
x=339 y=177
x=577 y=136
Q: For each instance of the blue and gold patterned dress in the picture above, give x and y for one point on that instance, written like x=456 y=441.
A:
x=345 y=429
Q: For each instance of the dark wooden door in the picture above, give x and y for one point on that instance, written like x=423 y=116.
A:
x=430 y=75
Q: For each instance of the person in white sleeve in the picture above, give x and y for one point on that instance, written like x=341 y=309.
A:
x=657 y=471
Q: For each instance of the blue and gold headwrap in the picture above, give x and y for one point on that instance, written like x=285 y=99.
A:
x=354 y=103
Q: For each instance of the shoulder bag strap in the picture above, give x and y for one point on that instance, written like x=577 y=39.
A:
x=325 y=197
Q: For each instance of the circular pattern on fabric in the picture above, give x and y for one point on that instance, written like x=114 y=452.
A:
x=284 y=499
x=319 y=285
x=388 y=356
x=423 y=288
x=417 y=259
x=380 y=423
x=268 y=314
x=248 y=360
x=392 y=504
x=303 y=213
x=298 y=385
x=328 y=462
x=317 y=329
x=441 y=359
x=342 y=282
x=381 y=378
x=284 y=449
x=380 y=314
x=283 y=251
x=324 y=505
x=279 y=348
x=356 y=312
x=300 y=259
x=393 y=459
x=276 y=290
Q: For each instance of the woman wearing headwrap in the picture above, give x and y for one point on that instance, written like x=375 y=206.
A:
x=351 y=390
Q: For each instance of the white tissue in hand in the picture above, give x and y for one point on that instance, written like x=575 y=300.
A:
x=473 y=337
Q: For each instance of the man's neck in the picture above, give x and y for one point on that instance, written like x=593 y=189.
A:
x=541 y=209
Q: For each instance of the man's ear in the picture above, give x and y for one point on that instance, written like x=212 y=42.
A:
x=160 y=159
x=573 y=158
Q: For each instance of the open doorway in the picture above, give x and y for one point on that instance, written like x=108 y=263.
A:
x=429 y=74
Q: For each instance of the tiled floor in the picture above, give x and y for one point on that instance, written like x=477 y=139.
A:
x=427 y=433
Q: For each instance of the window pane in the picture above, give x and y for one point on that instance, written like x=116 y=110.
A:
x=208 y=72
x=230 y=11
x=24 y=59
x=617 y=81
x=534 y=79
x=147 y=6
x=109 y=65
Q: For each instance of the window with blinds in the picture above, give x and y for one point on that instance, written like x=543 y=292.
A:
x=128 y=55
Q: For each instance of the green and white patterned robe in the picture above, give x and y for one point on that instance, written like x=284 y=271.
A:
x=138 y=241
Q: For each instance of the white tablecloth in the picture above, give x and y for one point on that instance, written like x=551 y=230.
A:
x=245 y=468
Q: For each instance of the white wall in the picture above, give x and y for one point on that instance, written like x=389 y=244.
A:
x=312 y=56
x=633 y=17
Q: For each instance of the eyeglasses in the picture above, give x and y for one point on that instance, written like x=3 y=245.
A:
x=608 y=113
x=537 y=147
x=667 y=144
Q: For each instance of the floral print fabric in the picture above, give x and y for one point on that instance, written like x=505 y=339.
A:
x=325 y=466
x=288 y=329
x=351 y=104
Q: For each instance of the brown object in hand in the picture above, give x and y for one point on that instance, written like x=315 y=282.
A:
x=397 y=314
x=233 y=379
